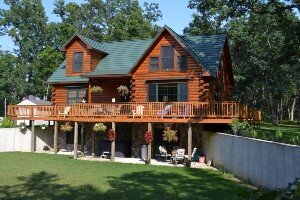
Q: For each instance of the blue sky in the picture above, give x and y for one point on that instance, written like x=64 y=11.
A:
x=175 y=14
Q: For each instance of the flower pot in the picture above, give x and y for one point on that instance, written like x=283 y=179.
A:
x=43 y=127
x=202 y=159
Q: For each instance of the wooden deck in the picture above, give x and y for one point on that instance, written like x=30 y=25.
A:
x=176 y=112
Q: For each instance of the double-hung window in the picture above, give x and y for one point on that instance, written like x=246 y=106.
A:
x=167 y=58
x=75 y=95
x=77 y=61
x=154 y=64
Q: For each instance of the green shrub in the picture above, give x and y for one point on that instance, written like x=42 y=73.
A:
x=7 y=123
x=240 y=128
x=296 y=140
x=279 y=135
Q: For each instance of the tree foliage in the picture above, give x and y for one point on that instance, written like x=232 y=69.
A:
x=38 y=40
x=264 y=37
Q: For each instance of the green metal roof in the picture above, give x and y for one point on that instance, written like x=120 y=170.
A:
x=121 y=57
x=99 y=46
x=59 y=76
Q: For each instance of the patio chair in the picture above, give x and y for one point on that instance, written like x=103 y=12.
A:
x=139 y=111
x=65 y=112
x=162 y=113
x=179 y=156
x=163 y=152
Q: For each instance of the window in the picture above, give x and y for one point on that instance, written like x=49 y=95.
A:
x=75 y=95
x=181 y=62
x=77 y=61
x=159 y=92
x=154 y=63
x=167 y=58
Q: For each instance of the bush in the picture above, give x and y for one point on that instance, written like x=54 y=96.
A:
x=240 y=128
x=7 y=123
x=279 y=135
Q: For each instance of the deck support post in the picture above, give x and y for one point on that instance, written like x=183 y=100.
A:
x=82 y=139
x=32 y=144
x=149 y=145
x=75 y=140
x=189 y=141
x=113 y=144
x=55 y=136
x=93 y=144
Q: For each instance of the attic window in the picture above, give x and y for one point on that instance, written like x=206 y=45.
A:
x=167 y=57
x=77 y=61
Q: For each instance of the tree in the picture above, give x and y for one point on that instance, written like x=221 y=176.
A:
x=12 y=80
x=264 y=45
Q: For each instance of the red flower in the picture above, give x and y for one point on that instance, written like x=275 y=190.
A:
x=148 y=137
x=112 y=135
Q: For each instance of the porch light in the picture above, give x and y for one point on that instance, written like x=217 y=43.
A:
x=113 y=100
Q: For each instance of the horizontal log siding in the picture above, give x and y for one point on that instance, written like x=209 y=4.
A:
x=96 y=57
x=197 y=89
x=59 y=93
x=76 y=45
x=109 y=87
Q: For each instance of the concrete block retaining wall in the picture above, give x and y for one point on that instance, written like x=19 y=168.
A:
x=264 y=163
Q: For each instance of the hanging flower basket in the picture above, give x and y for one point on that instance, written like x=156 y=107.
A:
x=112 y=135
x=123 y=90
x=99 y=127
x=97 y=89
x=22 y=125
x=66 y=127
x=170 y=135
x=148 y=137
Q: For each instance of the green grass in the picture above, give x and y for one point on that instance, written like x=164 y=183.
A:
x=290 y=133
x=43 y=176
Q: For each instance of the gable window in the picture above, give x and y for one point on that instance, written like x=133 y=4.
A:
x=167 y=58
x=154 y=63
x=77 y=61
x=75 y=95
x=181 y=62
x=160 y=92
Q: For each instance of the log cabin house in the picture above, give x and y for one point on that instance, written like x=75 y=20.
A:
x=183 y=82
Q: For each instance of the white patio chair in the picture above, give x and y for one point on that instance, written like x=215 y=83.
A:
x=65 y=112
x=179 y=156
x=139 y=111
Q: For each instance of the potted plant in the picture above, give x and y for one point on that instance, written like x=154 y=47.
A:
x=170 y=135
x=96 y=89
x=43 y=126
x=123 y=90
x=112 y=135
x=66 y=127
x=99 y=127
x=22 y=125
x=148 y=137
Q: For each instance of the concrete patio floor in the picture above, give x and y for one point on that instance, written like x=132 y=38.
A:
x=131 y=160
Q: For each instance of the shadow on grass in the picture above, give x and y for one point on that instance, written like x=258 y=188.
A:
x=196 y=184
x=43 y=185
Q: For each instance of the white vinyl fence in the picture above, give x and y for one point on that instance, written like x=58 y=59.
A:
x=264 y=163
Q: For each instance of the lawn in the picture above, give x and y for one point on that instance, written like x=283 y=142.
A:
x=290 y=133
x=44 y=176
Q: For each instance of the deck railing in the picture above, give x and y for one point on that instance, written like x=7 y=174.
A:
x=150 y=110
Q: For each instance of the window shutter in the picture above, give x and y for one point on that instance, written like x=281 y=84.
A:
x=182 y=91
x=151 y=92
x=181 y=63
